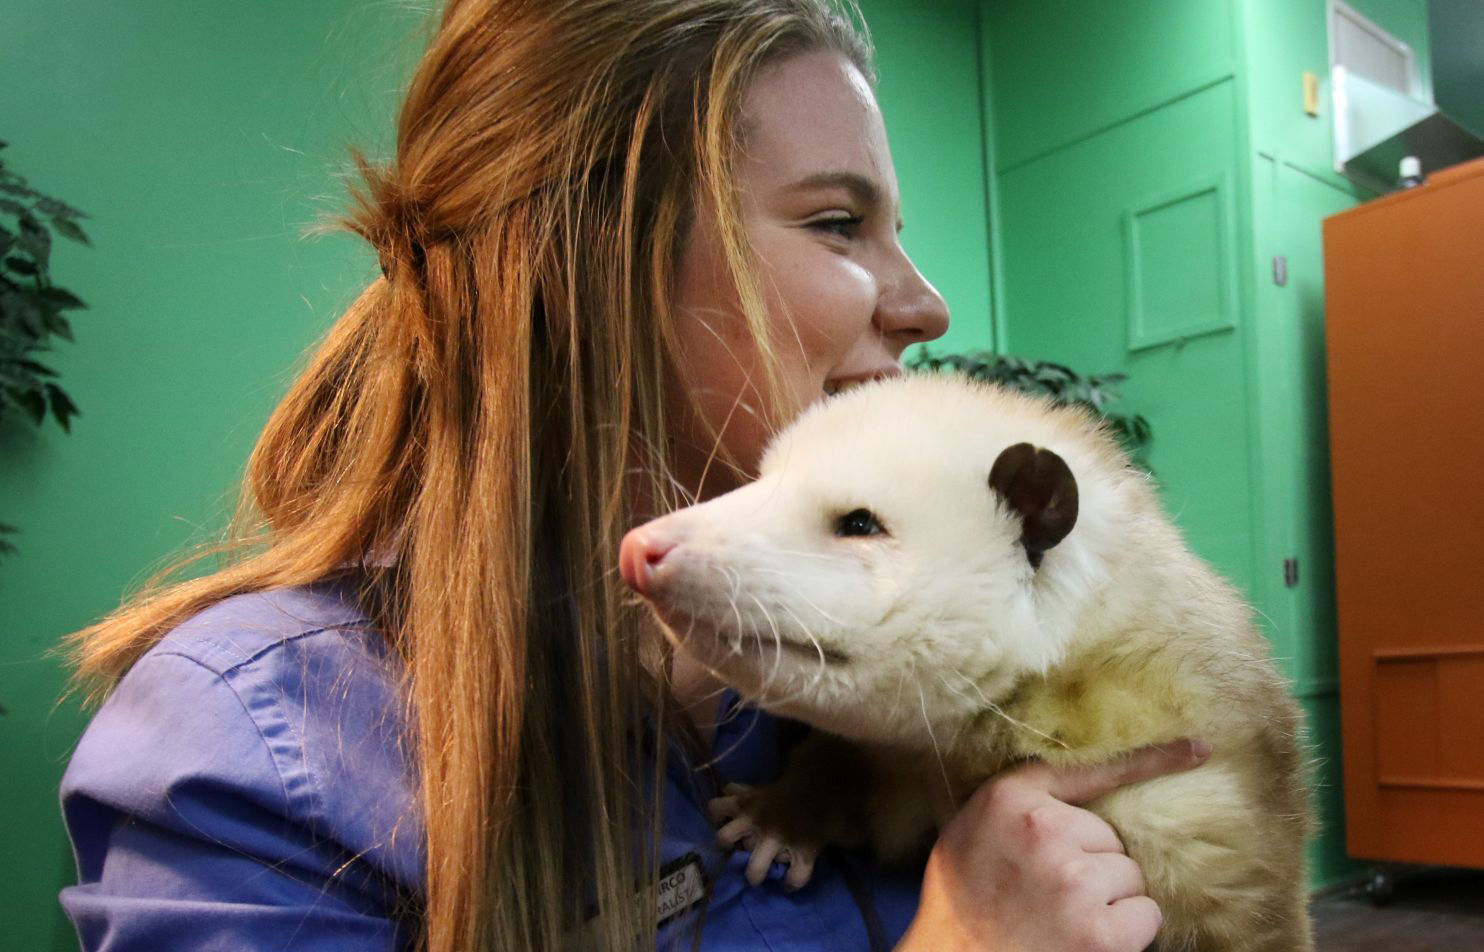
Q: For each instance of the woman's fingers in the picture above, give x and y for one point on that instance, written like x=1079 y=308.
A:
x=1081 y=784
x=1118 y=876
x=1038 y=801
x=1132 y=923
x=1022 y=867
x=1043 y=819
x=1088 y=831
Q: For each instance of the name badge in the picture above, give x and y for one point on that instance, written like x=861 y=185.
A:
x=682 y=885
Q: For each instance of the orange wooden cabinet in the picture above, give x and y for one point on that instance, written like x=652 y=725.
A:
x=1404 y=289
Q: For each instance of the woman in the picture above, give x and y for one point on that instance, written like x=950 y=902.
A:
x=622 y=240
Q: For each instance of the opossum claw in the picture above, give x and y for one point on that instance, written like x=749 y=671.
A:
x=741 y=830
x=735 y=831
x=800 y=867
x=763 y=855
x=723 y=808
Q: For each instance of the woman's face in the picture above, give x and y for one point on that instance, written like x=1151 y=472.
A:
x=820 y=208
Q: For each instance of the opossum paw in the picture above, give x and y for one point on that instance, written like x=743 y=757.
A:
x=741 y=829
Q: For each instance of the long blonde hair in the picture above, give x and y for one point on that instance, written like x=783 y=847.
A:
x=472 y=416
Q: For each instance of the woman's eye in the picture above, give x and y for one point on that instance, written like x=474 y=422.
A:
x=841 y=226
x=858 y=522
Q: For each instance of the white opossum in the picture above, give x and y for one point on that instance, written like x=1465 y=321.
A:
x=957 y=578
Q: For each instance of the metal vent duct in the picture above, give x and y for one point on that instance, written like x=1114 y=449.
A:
x=1376 y=127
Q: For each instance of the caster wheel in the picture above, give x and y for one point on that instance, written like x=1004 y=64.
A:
x=1381 y=886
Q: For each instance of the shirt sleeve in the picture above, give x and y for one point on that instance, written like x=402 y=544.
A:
x=190 y=834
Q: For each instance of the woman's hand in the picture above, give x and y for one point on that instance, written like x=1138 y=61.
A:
x=1022 y=869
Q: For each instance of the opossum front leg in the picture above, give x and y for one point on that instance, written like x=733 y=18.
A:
x=817 y=801
x=832 y=792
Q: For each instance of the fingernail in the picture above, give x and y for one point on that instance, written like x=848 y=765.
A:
x=1200 y=749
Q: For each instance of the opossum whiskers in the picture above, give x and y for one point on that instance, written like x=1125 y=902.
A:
x=768 y=682
x=963 y=724
x=995 y=708
x=928 y=723
x=777 y=644
x=1000 y=712
x=777 y=656
x=970 y=682
x=786 y=579
x=818 y=675
x=734 y=577
x=675 y=640
x=896 y=702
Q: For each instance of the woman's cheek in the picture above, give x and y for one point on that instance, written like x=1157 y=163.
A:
x=843 y=305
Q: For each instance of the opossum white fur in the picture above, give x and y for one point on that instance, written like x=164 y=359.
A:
x=944 y=655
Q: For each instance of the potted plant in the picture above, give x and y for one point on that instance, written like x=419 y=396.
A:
x=32 y=306
x=1062 y=384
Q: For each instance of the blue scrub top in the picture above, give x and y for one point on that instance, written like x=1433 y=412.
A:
x=244 y=788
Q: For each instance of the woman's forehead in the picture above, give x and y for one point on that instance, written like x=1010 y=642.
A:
x=813 y=122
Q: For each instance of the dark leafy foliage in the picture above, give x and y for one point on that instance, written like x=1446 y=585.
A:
x=32 y=308
x=1062 y=384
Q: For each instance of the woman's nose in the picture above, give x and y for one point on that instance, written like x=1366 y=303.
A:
x=910 y=309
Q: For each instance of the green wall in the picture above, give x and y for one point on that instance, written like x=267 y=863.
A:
x=928 y=65
x=1150 y=159
x=1456 y=29
x=203 y=140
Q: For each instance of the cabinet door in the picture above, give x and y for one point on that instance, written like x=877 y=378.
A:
x=1404 y=278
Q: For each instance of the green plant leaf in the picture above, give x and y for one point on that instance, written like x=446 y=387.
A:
x=58 y=209
x=70 y=229
x=1095 y=393
x=60 y=298
x=27 y=315
x=35 y=239
x=31 y=306
x=40 y=370
x=33 y=402
x=63 y=409
x=59 y=325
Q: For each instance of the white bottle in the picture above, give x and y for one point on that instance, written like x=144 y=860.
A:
x=1411 y=172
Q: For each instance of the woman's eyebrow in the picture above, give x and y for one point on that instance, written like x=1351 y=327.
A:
x=862 y=189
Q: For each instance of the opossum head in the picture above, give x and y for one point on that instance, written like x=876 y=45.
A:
x=910 y=550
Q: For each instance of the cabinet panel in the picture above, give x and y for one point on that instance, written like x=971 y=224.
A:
x=1405 y=286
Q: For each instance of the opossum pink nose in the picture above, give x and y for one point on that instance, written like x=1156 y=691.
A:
x=639 y=555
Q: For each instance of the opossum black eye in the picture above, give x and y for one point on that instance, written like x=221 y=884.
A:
x=858 y=522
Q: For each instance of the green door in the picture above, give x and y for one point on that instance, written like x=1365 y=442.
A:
x=1120 y=253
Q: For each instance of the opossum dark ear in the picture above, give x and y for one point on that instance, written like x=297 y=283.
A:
x=1038 y=485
